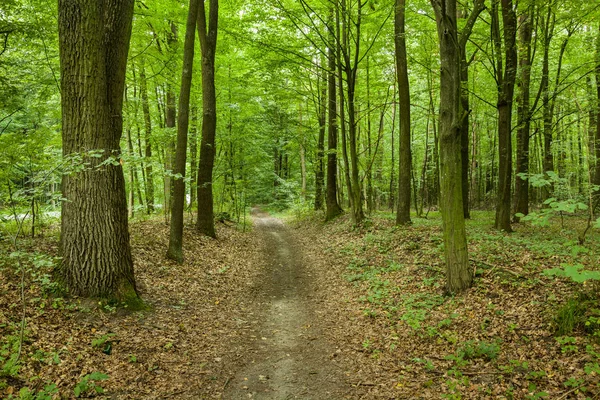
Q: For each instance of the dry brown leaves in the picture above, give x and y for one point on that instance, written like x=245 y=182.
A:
x=183 y=348
x=511 y=304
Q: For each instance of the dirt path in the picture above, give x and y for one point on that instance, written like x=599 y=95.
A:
x=286 y=355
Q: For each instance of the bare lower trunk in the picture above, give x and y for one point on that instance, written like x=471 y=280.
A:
x=459 y=275
x=333 y=208
x=404 y=146
x=521 y=201
x=506 y=82
x=96 y=255
x=175 y=251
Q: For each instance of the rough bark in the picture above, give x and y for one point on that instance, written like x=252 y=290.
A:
x=175 y=250
x=207 y=33
x=94 y=42
x=459 y=275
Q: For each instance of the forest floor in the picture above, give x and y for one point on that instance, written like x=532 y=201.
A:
x=306 y=310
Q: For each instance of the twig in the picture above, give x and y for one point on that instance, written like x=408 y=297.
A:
x=485 y=373
x=224 y=386
x=564 y=396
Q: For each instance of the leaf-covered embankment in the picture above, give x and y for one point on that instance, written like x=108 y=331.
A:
x=401 y=337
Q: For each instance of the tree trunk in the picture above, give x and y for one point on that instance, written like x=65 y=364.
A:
x=207 y=32
x=506 y=83
x=322 y=115
x=596 y=179
x=404 y=147
x=194 y=154
x=148 y=141
x=175 y=250
x=333 y=208
x=350 y=69
x=94 y=42
x=170 y=124
x=548 y=159
x=521 y=202
x=369 y=171
x=302 y=154
x=459 y=275
x=392 y=189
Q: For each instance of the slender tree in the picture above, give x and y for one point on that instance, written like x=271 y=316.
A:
x=207 y=33
x=521 y=200
x=170 y=124
x=404 y=148
x=596 y=180
x=505 y=79
x=321 y=104
x=147 y=140
x=465 y=109
x=333 y=208
x=94 y=42
x=350 y=62
x=459 y=275
x=175 y=251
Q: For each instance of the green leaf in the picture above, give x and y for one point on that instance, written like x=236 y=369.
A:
x=97 y=376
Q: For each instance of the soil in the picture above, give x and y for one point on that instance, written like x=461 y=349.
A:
x=288 y=358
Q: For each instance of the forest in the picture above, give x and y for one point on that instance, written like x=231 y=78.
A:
x=299 y=199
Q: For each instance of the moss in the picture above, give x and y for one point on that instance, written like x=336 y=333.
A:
x=129 y=299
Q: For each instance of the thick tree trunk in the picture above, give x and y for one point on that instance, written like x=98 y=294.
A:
x=459 y=275
x=207 y=32
x=333 y=208
x=94 y=42
x=148 y=141
x=404 y=146
x=521 y=201
x=175 y=250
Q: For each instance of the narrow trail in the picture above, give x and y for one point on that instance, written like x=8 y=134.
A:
x=286 y=358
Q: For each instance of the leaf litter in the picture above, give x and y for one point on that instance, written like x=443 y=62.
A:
x=377 y=310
